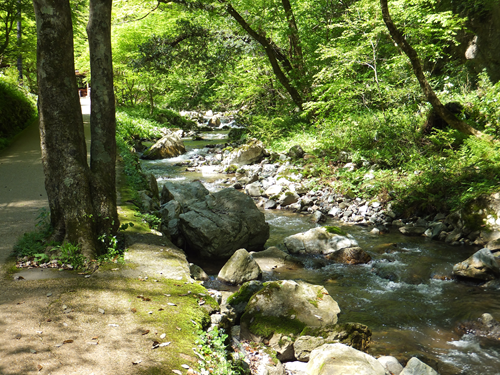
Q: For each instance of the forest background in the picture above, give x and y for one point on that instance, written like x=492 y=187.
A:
x=323 y=74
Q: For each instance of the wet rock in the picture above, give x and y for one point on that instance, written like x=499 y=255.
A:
x=417 y=367
x=318 y=217
x=197 y=272
x=410 y=230
x=223 y=223
x=240 y=268
x=485 y=326
x=270 y=204
x=350 y=255
x=287 y=307
x=296 y=368
x=273 y=190
x=319 y=241
x=391 y=364
x=238 y=301
x=356 y=335
x=482 y=265
x=341 y=359
x=167 y=147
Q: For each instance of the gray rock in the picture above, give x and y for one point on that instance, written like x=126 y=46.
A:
x=391 y=364
x=270 y=204
x=254 y=189
x=304 y=345
x=273 y=190
x=287 y=307
x=250 y=153
x=350 y=255
x=340 y=359
x=454 y=236
x=334 y=211
x=288 y=198
x=283 y=346
x=318 y=217
x=197 y=272
x=482 y=265
x=318 y=241
x=223 y=223
x=271 y=259
x=240 y=268
x=167 y=147
x=417 y=367
x=410 y=230
x=184 y=193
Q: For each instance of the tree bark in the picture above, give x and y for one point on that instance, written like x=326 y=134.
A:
x=272 y=55
x=295 y=53
x=64 y=155
x=431 y=97
x=102 y=118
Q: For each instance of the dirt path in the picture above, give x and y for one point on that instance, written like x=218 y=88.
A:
x=105 y=323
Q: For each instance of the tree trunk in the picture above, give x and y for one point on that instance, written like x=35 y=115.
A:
x=295 y=53
x=431 y=97
x=272 y=54
x=64 y=155
x=102 y=118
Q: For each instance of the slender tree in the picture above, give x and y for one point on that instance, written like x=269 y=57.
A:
x=431 y=97
x=80 y=201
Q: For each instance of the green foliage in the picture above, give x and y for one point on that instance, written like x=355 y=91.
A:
x=29 y=244
x=172 y=119
x=17 y=111
x=335 y=230
x=152 y=219
x=71 y=254
x=213 y=354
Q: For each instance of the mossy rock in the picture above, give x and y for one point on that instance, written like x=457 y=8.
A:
x=287 y=307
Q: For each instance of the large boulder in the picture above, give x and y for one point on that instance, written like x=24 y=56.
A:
x=417 y=367
x=482 y=265
x=240 y=268
x=169 y=146
x=391 y=364
x=223 y=223
x=340 y=359
x=321 y=240
x=287 y=307
x=249 y=153
x=184 y=193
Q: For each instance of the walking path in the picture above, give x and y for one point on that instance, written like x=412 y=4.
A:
x=89 y=324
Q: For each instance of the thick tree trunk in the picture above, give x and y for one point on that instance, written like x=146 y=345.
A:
x=272 y=54
x=102 y=118
x=431 y=97
x=64 y=155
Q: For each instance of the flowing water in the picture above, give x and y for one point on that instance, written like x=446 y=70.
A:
x=404 y=294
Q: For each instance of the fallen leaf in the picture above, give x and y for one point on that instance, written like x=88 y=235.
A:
x=150 y=312
x=18 y=336
x=20 y=303
x=95 y=337
x=145 y=332
x=146 y=299
x=177 y=372
x=137 y=362
x=133 y=309
x=113 y=325
x=160 y=309
x=162 y=336
x=39 y=367
x=185 y=367
x=100 y=310
x=201 y=302
x=67 y=341
x=165 y=344
x=171 y=304
x=141 y=296
x=178 y=328
x=32 y=351
x=39 y=332
x=49 y=294
x=93 y=343
x=49 y=320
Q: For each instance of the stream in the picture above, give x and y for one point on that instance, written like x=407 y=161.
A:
x=402 y=295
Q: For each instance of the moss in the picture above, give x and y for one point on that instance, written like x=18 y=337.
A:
x=335 y=230
x=243 y=295
x=266 y=326
x=313 y=302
